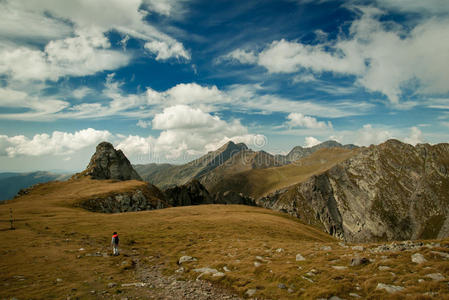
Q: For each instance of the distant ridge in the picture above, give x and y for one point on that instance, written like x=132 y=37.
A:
x=230 y=157
x=299 y=152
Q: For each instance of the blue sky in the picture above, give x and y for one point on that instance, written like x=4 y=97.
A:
x=170 y=80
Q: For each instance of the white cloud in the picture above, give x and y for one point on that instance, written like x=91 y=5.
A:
x=191 y=131
x=81 y=92
x=35 y=108
x=310 y=141
x=417 y=6
x=415 y=136
x=85 y=54
x=74 y=34
x=289 y=57
x=383 y=56
x=368 y=135
x=58 y=143
x=241 y=56
x=164 y=50
x=300 y=120
x=143 y=124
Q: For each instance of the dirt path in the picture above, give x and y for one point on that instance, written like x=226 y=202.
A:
x=150 y=283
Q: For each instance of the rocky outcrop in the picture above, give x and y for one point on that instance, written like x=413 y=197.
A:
x=108 y=163
x=231 y=197
x=192 y=193
x=145 y=198
x=392 y=191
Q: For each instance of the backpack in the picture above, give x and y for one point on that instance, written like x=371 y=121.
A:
x=116 y=239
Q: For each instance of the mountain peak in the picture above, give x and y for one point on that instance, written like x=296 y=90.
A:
x=109 y=163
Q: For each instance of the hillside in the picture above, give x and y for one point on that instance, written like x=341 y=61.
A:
x=392 y=191
x=230 y=158
x=258 y=182
x=12 y=183
x=299 y=152
x=171 y=175
x=64 y=251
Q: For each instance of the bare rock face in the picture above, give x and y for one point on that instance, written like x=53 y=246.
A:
x=191 y=193
x=108 y=163
x=392 y=191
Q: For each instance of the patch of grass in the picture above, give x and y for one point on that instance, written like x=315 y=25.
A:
x=219 y=236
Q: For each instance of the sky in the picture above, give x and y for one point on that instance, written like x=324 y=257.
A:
x=170 y=80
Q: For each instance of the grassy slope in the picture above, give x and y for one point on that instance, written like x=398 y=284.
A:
x=45 y=246
x=260 y=182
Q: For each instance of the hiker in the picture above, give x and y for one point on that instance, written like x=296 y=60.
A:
x=114 y=243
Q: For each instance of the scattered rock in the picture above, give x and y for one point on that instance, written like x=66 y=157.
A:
x=354 y=295
x=357 y=248
x=112 y=284
x=218 y=274
x=335 y=298
x=299 y=257
x=282 y=286
x=357 y=261
x=58 y=280
x=136 y=284
x=206 y=271
x=326 y=248
x=339 y=267
x=250 y=292
x=389 y=288
x=290 y=290
x=383 y=268
x=343 y=245
x=257 y=264
x=226 y=269
x=180 y=270
x=308 y=279
x=435 y=276
x=279 y=250
x=418 y=258
x=186 y=258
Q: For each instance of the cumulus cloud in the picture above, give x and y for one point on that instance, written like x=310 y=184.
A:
x=58 y=143
x=300 y=120
x=368 y=135
x=384 y=57
x=76 y=43
x=415 y=136
x=186 y=132
x=310 y=141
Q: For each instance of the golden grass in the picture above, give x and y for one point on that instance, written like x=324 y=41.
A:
x=45 y=246
x=260 y=182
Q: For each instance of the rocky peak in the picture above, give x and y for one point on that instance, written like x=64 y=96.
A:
x=108 y=163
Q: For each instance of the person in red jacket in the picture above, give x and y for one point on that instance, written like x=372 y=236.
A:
x=114 y=243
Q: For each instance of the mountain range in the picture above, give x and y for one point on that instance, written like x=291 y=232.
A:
x=391 y=191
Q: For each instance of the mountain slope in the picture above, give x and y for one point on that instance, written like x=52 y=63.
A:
x=392 y=191
x=12 y=183
x=262 y=181
x=172 y=175
x=299 y=152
